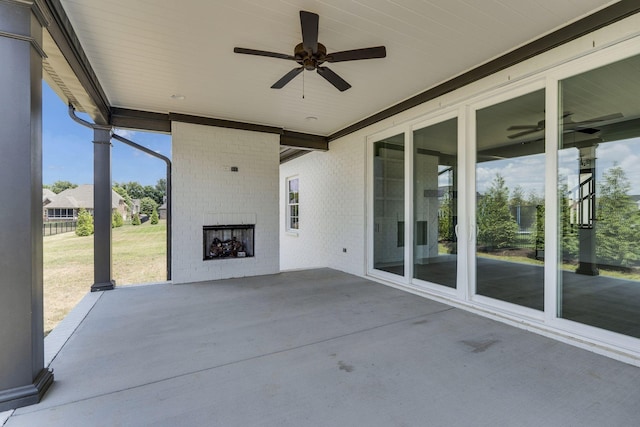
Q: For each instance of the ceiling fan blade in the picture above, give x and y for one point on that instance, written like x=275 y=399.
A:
x=522 y=127
x=333 y=78
x=263 y=53
x=287 y=78
x=588 y=131
x=526 y=132
x=602 y=118
x=356 y=54
x=309 y=24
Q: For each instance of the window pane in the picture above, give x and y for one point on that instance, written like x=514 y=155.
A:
x=435 y=160
x=510 y=201
x=599 y=179
x=388 y=205
x=293 y=190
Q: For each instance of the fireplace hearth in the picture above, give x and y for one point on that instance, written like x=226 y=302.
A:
x=228 y=241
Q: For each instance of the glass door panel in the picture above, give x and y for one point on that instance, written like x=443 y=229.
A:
x=510 y=176
x=599 y=198
x=435 y=170
x=388 y=205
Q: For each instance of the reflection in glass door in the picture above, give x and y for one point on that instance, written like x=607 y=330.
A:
x=388 y=205
x=599 y=198
x=435 y=160
x=510 y=178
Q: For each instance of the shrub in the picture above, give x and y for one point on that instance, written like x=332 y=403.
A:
x=85 y=223
x=136 y=219
x=116 y=220
x=154 y=217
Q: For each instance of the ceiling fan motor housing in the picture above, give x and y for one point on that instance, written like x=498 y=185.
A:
x=310 y=61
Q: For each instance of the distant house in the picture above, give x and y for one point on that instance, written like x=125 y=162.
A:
x=47 y=196
x=162 y=211
x=135 y=206
x=65 y=205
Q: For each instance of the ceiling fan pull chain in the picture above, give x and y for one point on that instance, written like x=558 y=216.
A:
x=302 y=84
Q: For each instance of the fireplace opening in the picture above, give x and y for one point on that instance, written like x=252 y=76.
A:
x=228 y=241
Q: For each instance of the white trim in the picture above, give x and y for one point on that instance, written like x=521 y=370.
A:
x=287 y=213
x=466 y=199
x=408 y=205
x=551 y=257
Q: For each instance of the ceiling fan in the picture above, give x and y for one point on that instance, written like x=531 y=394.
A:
x=311 y=55
x=568 y=125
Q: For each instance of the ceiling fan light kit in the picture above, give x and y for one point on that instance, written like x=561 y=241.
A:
x=310 y=55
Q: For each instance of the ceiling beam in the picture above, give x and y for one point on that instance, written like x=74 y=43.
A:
x=304 y=141
x=221 y=123
x=299 y=140
x=136 y=119
x=586 y=25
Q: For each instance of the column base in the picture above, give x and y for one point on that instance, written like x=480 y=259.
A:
x=97 y=287
x=588 y=269
x=26 y=395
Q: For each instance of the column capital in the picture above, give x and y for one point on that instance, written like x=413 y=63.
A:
x=22 y=28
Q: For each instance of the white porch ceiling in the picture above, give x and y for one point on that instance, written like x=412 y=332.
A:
x=143 y=52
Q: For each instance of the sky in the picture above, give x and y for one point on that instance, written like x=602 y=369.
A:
x=526 y=171
x=67 y=149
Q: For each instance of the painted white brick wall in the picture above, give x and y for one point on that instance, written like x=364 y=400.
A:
x=332 y=207
x=206 y=192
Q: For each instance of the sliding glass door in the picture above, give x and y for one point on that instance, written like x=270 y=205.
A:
x=510 y=180
x=435 y=203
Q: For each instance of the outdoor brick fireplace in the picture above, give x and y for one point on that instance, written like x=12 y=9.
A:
x=228 y=241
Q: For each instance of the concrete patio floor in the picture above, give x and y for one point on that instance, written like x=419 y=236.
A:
x=315 y=348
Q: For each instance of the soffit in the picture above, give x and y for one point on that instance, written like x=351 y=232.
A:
x=145 y=51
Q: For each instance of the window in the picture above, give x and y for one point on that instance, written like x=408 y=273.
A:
x=56 y=213
x=293 y=202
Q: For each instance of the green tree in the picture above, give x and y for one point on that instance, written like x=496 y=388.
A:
x=517 y=197
x=134 y=189
x=84 y=227
x=152 y=193
x=496 y=226
x=534 y=199
x=161 y=186
x=569 y=239
x=154 y=217
x=59 y=186
x=538 y=231
x=618 y=221
x=147 y=205
x=446 y=230
x=116 y=220
x=135 y=220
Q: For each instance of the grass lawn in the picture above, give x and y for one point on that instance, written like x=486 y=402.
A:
x=139 y=256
